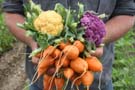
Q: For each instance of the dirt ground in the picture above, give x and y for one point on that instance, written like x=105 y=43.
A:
x=12 y=71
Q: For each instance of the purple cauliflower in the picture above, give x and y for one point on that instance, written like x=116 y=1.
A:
x=94 y=28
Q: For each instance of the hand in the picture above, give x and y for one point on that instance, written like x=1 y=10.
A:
x=35 y=60
x=98 y=52
x=34 y=46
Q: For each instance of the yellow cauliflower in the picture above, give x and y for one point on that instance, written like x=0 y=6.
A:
x=49 y=22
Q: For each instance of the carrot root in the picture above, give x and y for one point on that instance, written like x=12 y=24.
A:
x=77 y=87
x=66 y=84
x=78 y=78
x=87 y=87
x=57 y=69
x=99 y=85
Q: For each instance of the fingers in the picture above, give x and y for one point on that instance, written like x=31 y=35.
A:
x=98 y=52
x=35 y=60
x=34 y=46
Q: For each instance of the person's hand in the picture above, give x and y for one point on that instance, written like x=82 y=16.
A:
x=98 y=52
x=34 y=46
x=35 y=60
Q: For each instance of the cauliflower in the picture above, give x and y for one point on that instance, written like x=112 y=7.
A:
x=95 y=28
x=49 y=22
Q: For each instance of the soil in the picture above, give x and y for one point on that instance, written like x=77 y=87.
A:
x=12 y=70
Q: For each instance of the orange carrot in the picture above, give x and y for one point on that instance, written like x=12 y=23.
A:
x=38 y=55
x=77 y=82
x=63 y=45
x=87 y=79
x=46 y=82
x=79 y=45
x=71 y=51
x=44 y=63
x=79 y=65
x=56 y=63
x=59 y=83
x=64 y=61
x=94 y=64
x=56 y=53
x=42 y=67
x=68 y=73
x=48 y=51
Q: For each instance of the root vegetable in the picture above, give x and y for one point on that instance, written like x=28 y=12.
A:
x=94 y=64
x=79 y=65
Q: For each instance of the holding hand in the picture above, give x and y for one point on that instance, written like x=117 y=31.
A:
x=98 y=52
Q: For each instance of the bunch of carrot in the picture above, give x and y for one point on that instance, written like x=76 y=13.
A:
x=66 y=64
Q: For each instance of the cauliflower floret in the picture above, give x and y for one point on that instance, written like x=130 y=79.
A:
x=49 y=22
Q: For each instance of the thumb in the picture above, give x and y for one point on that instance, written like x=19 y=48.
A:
x=35 y=60
x=34 y=46
x=98 y=52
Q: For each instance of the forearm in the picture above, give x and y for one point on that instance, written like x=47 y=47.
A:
x=117 y=27
x=11 y=21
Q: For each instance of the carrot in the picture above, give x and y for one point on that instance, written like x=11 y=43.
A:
x=44 y=62
x=56 y=63
x=78 y=81
x=63 y=45
x=38 y=55
x=64 y=61
x=79 y=65
x=46 y=82
x=48 y=51
x=68 y=73
x=56 y=53
x=42 y=67
x=79 y=45
x=71 y=51
x=59 y=83
x=94 y=64
x=87 y=79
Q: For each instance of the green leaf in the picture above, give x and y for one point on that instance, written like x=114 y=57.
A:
x=30 y=33
x=81 y=10
x=33 y=53
x=59 y=8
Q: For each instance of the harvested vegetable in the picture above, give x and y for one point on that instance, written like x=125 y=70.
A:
x=71 y=51
x=94 y=64
x=79 y=65
x=79 y=45
x=59 y=83
x=87 y=79
x=49 y=22
x=46 y=82
x=65 y=37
